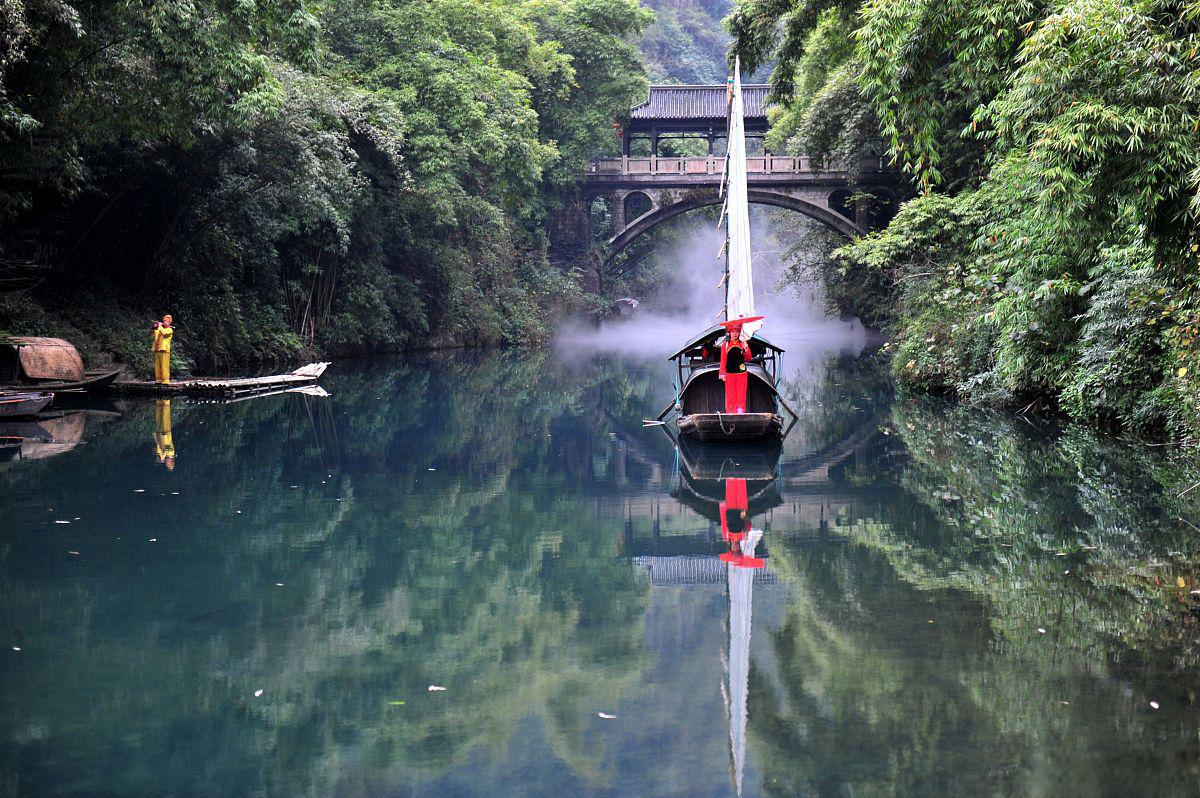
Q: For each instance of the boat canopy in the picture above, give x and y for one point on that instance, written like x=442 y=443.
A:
x=716 y=331
x=47 y=358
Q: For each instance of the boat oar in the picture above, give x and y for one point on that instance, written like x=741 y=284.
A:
x=656 y=422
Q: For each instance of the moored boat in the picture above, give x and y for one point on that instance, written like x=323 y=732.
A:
x=701 y=397
x=48 y=364
x=23 y=404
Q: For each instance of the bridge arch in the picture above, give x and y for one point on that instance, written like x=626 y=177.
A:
x=657 y=216
x=637 y=203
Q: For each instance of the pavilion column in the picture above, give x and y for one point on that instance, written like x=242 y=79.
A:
x=625 y=140
x=654 y=141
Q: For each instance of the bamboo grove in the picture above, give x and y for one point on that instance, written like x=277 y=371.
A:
x=1051 y=249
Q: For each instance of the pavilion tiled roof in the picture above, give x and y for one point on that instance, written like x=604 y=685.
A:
x=699 y=102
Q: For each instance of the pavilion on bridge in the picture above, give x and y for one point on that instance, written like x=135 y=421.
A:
x=693 y=112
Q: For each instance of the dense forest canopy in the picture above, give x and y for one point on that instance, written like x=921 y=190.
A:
x=1051 y=249
x=352 y=174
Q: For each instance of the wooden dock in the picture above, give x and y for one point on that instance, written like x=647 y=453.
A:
x=224 y=387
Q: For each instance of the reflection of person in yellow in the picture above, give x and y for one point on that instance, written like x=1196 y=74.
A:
x=163 y=333
x=164 y=445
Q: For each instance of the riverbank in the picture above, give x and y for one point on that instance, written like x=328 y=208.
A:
x=109 y=329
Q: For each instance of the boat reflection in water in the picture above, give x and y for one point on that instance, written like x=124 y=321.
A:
x=37 y=439
x=730 y=485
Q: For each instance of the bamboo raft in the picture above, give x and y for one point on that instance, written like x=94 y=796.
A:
x=224 y=388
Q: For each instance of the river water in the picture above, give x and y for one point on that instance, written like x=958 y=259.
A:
x=927 y=600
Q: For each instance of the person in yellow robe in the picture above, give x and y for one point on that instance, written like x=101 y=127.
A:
x=163 y=333
x=164 y=444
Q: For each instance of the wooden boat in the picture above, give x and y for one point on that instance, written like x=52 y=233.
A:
x=48 y=364
x=23 y=404
x=700 y=400
x=700 y=392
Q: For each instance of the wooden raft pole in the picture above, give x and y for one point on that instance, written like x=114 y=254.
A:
x=225 y=387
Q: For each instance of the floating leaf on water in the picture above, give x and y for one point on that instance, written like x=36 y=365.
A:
x=395 y=703
x=606 y=716
x=1065 y=703
x=433 y=688
x=258 y=693
x=431 y=469
x=62 y=522
x=1041 y=630
x=16 y=648
x=73 y=552
x=1154 y=705
x=153 y=540
x=279 y=584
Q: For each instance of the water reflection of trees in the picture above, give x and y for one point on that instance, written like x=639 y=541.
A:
x=140 y=662
x=947 y=646
x=497 y=576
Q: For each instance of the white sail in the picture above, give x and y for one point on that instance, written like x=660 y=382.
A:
x=739 y=288
x=741 y=611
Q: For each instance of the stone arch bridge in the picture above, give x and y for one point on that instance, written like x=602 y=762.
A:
x=645 y=190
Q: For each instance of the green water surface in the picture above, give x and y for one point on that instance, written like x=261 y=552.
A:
x=952 y=602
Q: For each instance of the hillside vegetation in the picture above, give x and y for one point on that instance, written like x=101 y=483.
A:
x=1051 y=250
x=288 y=174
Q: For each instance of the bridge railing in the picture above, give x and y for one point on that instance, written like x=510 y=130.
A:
x=714 y=165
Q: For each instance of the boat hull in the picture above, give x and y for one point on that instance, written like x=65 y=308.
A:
x=93 y=381
x=731 y=427
x=23 y=404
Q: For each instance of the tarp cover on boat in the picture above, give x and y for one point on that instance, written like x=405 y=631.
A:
x=48 y=358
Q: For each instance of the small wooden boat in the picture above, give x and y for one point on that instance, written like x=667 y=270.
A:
x=23 y=404
x=48 y=364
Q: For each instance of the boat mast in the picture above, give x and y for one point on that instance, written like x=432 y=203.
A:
x=739 y=280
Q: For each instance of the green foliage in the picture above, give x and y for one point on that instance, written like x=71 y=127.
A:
x=686 y=43
x=283 y=175
x=1059 y=262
